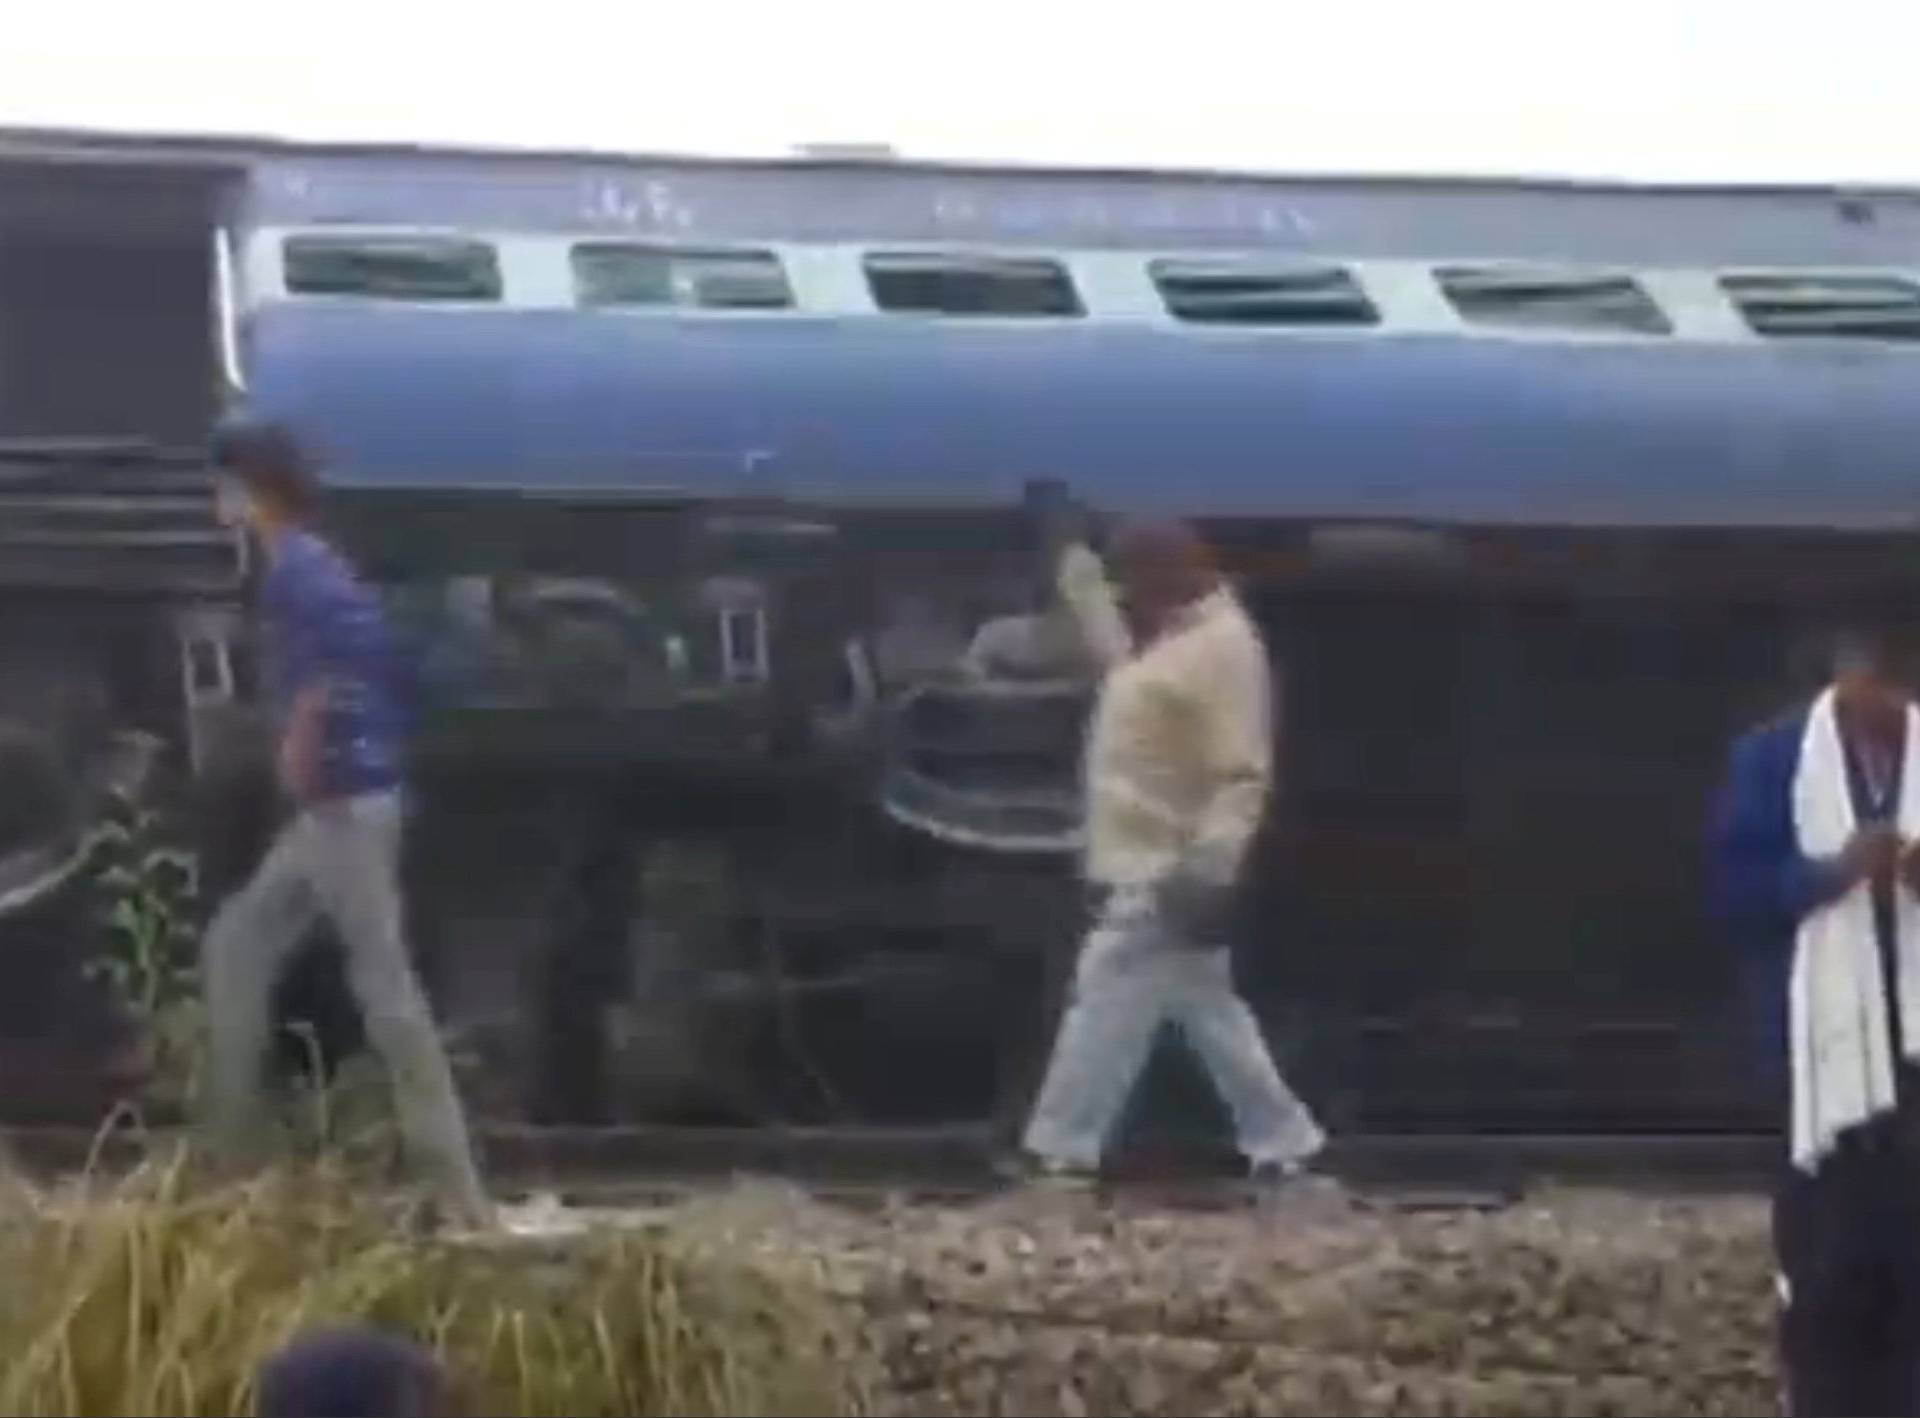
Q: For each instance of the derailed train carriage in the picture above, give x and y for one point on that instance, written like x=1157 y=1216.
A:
x=692 y=481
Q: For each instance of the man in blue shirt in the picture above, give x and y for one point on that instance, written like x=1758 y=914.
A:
x=338 y=685
x=1847 y=1214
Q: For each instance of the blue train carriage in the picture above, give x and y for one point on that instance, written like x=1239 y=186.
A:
x=693 y=479
x=1527 y=484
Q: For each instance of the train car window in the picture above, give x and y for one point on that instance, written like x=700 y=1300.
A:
x=392 y=267
x=609 y=273
x=1228 y=292
x=959 y=283
x=1792 y=305
x=1549 y=298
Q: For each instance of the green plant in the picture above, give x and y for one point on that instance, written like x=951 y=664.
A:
x=147 y=887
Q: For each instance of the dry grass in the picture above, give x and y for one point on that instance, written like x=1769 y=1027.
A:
x=158 y=1296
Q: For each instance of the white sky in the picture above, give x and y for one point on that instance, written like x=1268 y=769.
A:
x=1717 y=90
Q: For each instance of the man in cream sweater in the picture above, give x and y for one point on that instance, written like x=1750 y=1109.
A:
x=1179 y=764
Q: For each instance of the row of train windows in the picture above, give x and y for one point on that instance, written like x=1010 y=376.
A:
x=1221 y=291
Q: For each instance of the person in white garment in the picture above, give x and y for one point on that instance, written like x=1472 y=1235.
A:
x=1178 y=772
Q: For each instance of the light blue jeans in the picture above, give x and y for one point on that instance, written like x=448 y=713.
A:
x=1134 y=976
x=341 y=860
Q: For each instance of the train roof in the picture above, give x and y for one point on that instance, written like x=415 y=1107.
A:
x=857 y=197
x=34 y=144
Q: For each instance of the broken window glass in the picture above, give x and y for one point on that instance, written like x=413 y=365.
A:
x=1800 y=304
x=609 y=273
x=1239 y=292
x=392 y=267
x=1549 y=298
x=955 y=283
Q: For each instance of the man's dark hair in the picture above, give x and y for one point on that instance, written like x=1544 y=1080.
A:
x=269 y=462
x=1866 y=645
x=349 y=1372
x=1870 y=629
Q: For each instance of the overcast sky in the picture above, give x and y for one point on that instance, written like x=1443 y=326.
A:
x=1728 y=90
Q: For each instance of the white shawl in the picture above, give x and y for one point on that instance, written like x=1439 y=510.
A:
x=1843 y=1069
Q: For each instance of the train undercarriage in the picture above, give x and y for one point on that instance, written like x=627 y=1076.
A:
x=875 y=932
x=706 y=912
x=750 y=910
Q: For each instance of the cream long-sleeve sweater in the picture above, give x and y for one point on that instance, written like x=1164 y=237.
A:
x=1180 y=753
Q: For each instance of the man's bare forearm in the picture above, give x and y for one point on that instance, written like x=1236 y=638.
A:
x=300 y=743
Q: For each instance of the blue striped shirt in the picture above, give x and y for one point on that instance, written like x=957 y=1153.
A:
x=328 y=628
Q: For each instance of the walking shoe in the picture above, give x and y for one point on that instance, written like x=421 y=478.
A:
x=1272 y=1173
x=1055 y=1174
x=1293 y=1182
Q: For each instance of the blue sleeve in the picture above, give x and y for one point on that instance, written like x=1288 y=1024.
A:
x=1762 y=884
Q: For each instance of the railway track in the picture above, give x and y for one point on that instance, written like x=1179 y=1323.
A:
x=637 y=1166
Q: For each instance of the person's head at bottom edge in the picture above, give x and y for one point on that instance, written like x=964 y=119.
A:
x=352 y=1371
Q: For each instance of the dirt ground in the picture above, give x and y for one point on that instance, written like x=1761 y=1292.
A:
x=1573 y=1302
